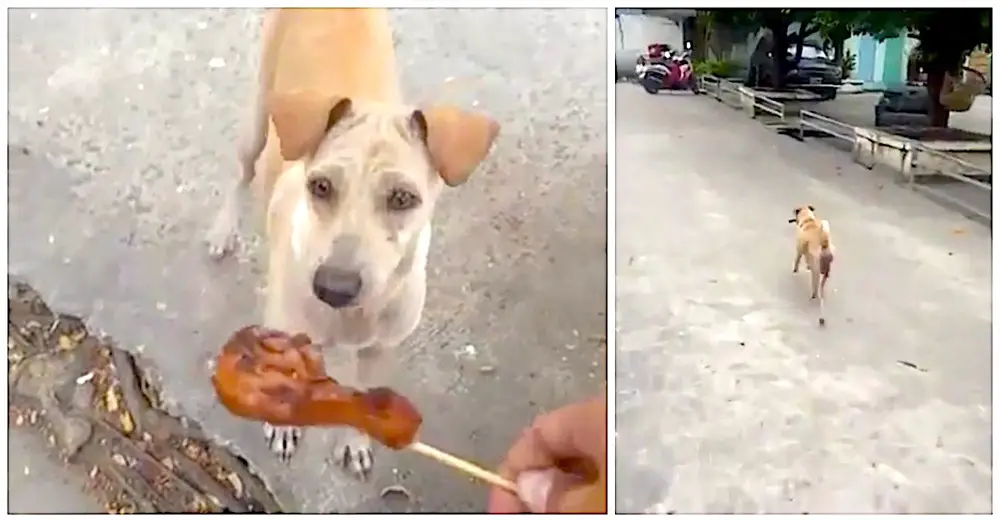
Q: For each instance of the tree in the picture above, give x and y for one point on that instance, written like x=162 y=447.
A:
x=946 y=36
x=777 y=22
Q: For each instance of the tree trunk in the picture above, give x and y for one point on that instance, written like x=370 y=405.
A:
x=779 y=64
x=939 y=115
x=702 y=39
x=838 y=50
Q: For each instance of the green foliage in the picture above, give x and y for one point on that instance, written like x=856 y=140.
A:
x=947 y=35
x=719 y=68
x=847 y=63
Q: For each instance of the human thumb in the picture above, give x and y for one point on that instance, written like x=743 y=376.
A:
x=534 y=487
x=552 y=491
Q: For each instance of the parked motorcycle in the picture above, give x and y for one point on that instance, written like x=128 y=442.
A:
x=674 y=72
x=655 y=53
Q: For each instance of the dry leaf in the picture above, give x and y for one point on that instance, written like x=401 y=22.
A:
x=125 y=419
x=111 y=400
x=234 y=480
x=198 y=505
x=66 y=343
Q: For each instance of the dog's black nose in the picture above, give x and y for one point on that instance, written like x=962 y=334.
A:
x=336 y=287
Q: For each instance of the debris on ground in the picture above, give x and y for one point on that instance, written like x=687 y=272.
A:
x=101 y=413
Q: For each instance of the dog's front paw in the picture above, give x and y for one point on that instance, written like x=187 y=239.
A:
x=222 y=238
x=282 y=440
x=353 y=451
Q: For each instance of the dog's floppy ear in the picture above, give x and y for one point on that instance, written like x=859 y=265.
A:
x=302 y=118
x=457 y=141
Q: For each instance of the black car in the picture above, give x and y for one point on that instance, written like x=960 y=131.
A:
x=815 y=72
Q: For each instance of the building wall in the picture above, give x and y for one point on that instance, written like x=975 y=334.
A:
x=633 y=32
x=636 y=31
x=879 y=65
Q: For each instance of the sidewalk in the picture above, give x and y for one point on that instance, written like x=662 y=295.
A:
x=730 y=398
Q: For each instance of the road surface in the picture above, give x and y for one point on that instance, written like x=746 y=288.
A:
x=730 y=398
x=122 y=132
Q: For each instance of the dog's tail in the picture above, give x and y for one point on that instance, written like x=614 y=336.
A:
x=826 y=251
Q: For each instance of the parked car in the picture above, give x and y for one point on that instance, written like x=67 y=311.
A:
x=815 y=72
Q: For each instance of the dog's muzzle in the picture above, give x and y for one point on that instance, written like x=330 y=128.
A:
x=335 y=286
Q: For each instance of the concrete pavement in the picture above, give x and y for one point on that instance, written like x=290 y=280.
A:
x=121 y=135
x=730 y=398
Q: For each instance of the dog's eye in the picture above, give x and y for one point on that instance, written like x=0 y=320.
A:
x=402 y=200
x=320 y=188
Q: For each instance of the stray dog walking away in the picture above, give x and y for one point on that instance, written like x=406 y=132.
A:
x=813 y=241
x=347 y=177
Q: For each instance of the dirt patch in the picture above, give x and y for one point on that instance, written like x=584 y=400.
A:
x=100 y=412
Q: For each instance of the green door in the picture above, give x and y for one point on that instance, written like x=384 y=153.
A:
x=893 y=72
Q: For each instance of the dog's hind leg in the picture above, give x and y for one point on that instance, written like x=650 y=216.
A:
x=814 y=277
x=223 y=234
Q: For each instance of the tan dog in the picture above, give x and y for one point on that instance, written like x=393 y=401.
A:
x=812 y=241
x=349 y=177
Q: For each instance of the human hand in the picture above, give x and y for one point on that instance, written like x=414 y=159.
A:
x=559 y=464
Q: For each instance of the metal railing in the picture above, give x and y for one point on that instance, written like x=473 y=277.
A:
x=799 y=122
x=723 y=90
x=764 y=104
x=967 y=168
x=809 y=120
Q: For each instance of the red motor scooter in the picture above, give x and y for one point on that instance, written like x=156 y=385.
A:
x=673 y=73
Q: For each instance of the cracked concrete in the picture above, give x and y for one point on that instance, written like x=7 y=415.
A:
x=122 y=127
x=730 y=398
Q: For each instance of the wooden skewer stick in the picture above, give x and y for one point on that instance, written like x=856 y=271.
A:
x=463 y=465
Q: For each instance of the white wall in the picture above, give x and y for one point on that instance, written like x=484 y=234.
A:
x=639 y=30
x=636 y=31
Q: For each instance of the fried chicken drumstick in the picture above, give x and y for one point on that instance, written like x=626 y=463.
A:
x=271 y=376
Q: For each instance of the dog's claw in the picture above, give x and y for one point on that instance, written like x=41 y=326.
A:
x=282 y=440
x=353 y=452
x=220 y=242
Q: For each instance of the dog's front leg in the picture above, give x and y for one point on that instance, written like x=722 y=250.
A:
x=352 y=449
x=223 y=235
x=283 y=441
x=797 y=261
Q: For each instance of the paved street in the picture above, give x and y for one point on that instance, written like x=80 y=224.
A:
x=122 y=131
x=730 y=398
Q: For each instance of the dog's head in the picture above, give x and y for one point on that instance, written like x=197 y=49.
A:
x=802 y=213
x=372 y=175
